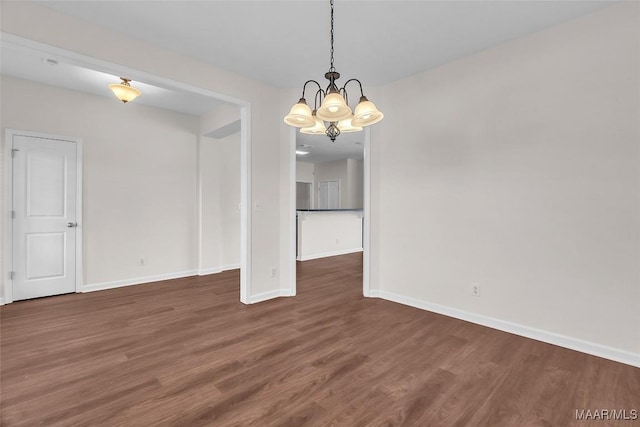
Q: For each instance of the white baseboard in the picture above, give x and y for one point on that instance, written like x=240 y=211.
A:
x=207 y=271
x=1 y=301
x=588 y=347
x=230 y=267
x=216 y=270
x=328 y=254
x=137 y=281
x=269 y=295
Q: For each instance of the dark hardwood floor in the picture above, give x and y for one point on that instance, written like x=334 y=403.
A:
x=187 y=353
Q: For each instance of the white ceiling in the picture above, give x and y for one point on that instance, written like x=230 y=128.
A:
x=43 y=67
x=321 y=149
x=285 y=43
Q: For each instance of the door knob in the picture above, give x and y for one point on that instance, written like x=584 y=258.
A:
x=72 y=224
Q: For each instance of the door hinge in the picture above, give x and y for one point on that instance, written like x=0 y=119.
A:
x=13 y=214
x=13 y=152
x=12 y=275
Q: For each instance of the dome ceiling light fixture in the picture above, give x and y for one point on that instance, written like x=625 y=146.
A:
x=124 y=91
x=334 y=107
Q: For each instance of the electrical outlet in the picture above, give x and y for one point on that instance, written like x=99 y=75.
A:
x=274 y=272
x=141 y=261
x=475 y=289
x=337 y=241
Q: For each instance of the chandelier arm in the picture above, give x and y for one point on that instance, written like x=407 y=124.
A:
x=353 y=80
x=319 y=93
x=345 y=95
x=304 y=87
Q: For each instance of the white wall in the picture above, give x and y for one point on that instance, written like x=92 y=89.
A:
x=350 y=173
x=267 y=132
x=210 y=193
x=517 y=168
x=325 y=234
x=2 y=207
x=222 y=117
x=139 y=177
x=220 y=193
x=229 y=149
x=355 y=169
x=305 y=172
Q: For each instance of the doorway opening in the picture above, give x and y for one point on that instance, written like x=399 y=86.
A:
x=11 y=42
x=337 y=222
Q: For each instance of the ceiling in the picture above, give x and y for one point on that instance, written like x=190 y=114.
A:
x=285 y=43
x=43 y=67
x=321 y=149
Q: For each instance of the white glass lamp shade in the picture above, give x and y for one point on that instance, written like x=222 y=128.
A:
x=124 y=92
x=300 y=115
x=333 y=108
x=318 y=129
x=366 y=113
x=347 y=126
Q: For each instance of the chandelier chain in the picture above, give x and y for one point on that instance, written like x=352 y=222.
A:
x=332 y=68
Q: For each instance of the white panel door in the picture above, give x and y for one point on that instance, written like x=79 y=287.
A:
x=44 y=219
x=334 y=195
x=329 y=195
x=323 y=195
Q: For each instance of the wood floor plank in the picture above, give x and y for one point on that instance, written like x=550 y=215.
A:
x=186 y=352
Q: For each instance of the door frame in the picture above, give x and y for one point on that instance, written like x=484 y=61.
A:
x=366 y=226
x=7 y=237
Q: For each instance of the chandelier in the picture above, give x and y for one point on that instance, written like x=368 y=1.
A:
x=334 y=107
